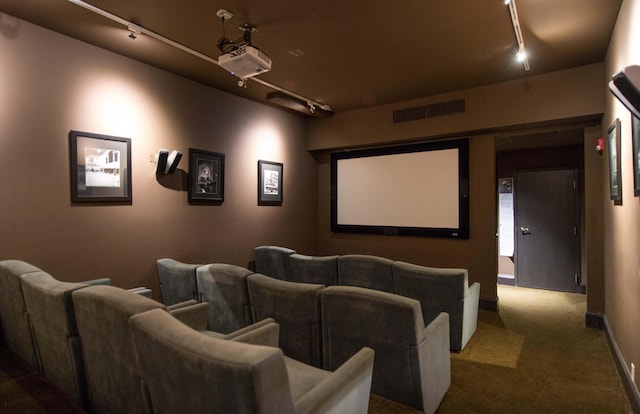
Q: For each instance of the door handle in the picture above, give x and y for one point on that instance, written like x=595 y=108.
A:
x=525 y=231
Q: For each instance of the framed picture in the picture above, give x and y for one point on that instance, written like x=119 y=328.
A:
x=100 y=168
x=206 y=177
x=615 y=174
x=635 y=135
x=269 y=183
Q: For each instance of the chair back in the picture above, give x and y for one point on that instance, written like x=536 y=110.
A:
x=296 y=308
x=274 y=261
x=314 y=269
x=177 y=281
x=50 y=308
x=102 y=314
x=392 y=325
x=366 y=271
x=224 y=287
x=14 y=319
x=185 y=371
x=437 y=290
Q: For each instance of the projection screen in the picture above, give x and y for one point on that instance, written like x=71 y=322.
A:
x=414 y=190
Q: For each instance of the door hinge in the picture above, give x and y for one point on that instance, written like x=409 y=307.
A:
x=576 y=277
x=574 y=184
x=575 y=231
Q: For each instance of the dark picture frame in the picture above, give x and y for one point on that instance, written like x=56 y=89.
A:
x=100 y=168
x=635 y=140
x=615 y=173
x=270 y=177
x=206 y=177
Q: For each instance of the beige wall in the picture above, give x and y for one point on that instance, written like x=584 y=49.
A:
x=526 y=104
x=52 y=84
x=621 y=222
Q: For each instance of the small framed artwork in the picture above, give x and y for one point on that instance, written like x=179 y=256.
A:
x=206 y=177
x=615 y=174
x=269 y=183
x=100 y=168
x=635 y=135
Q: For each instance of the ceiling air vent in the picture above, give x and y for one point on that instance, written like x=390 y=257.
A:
x=429 y=111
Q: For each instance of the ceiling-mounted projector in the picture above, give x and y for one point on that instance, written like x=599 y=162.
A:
x=245 y=61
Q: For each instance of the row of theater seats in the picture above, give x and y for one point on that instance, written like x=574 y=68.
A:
x=323 y=326
x=118 y=351
x=437 y=289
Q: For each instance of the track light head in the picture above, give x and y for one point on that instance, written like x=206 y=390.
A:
x=135 y=31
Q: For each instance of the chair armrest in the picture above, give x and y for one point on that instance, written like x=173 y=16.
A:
x=184 y=304
x=345 y=391
x=142 y=291
x=435 y=362
x=470 y=313
x=266 y=332
x=99 y=281
x=194 y=315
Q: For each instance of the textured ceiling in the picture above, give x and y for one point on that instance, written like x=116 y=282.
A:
x=346 y=54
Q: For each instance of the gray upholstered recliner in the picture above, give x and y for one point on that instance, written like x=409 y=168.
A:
x=48 y=303
x=366 y=271
x=16 y=325
x=220 y=376
x=102 y=314
x=224 y=287
x=177 y=281
x=412 y=362
x=442 y=290
x=274 y=261
x=296 y=308
x=314 y=269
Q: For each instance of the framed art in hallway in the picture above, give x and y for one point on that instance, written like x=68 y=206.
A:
x=635 y=136
x=269 y=183
x=100 y=168
x=206 y=177
x=615 y=175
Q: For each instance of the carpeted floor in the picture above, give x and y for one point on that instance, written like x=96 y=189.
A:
x=534 y=356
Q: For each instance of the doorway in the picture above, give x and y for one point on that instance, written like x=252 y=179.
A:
x=547 y=244
x=545 y=152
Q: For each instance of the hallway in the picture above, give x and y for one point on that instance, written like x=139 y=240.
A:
x=535 y=356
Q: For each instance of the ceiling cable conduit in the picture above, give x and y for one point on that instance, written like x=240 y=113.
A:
x=137 y=29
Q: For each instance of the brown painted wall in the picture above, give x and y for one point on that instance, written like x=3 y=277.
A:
x=478 y=253
x=526 y=104
x=621 y=222
x=52 y=84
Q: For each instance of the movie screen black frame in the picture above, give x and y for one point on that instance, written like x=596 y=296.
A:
x=459 y=202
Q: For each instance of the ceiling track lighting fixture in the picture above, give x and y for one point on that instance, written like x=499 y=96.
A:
x=521 y=54
x=135 y=31
x=187 y=49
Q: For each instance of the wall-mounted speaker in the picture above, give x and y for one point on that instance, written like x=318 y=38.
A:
x=172 y=161
x=625 y=85
x=167 y=163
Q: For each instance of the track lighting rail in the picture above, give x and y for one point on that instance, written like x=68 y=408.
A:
x=142 y=30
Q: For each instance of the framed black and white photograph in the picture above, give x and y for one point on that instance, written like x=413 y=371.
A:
x=269 y=183
x=635 y=135
x=615 y=174
x=206 y=177
x=100 y=168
